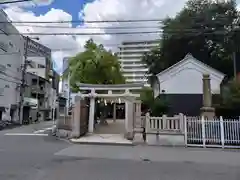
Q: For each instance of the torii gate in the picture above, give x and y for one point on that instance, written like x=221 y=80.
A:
x=132 y=106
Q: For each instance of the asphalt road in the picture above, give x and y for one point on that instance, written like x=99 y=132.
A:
x=46 y=158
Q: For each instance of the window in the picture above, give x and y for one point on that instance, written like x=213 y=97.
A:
x=41 y=66
x=7 y=86
x=9 y=65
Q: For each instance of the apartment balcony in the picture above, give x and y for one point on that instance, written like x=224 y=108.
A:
x=129 y=56
x=133 y=65
x=134 y=70
x=131 y=60
x=38 y=89
x=138 y=46
x=136 y=80
x=132 y=51
x=131 y=75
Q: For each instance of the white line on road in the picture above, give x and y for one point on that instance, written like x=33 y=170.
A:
x=24 y=134
x=43 y=130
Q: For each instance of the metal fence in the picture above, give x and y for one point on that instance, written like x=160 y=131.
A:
x=216 y=132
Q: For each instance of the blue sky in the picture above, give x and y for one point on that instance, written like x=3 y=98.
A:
x=72 y=7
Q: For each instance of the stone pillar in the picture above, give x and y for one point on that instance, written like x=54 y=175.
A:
x=207 y=110
x=91 y=115
x=76 y=110
x=114 y=112
x=129 y=108
x=138 y=114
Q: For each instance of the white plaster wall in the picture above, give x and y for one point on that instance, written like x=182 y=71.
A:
x=188 y=80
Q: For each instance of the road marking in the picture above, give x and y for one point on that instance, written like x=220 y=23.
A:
x=43 y=130
x=24 y=134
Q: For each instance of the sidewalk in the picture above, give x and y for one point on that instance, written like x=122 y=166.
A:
x=158 y=154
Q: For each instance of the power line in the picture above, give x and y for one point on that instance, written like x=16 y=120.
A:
x=170 y=32
x=12 y=2
x=95 y=21
x=83 y=21
x=101 y=27
x=84 y=34
x=5 y=74
x=10 y=81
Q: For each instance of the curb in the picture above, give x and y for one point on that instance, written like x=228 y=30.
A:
x=103 y=143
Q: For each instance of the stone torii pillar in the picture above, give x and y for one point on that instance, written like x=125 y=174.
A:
x=207 y=110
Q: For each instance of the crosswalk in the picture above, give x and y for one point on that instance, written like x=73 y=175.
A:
x=25 y=134
x=41 y=132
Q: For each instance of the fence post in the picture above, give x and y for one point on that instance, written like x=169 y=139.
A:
x=65 y=114
x=146 y=126
x=203 y=131
x=148 y=123
x=181 y=123
x=185 y=129
x=222 y=131
x=165 y=124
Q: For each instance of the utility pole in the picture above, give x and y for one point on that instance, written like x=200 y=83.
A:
x=22 y=87
x=38 y=88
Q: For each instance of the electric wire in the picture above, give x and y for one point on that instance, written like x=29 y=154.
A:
x=13 y=2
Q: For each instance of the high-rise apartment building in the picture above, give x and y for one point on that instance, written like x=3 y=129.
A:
x=130 y=56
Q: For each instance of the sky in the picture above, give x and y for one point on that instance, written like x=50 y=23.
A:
x=89 y=10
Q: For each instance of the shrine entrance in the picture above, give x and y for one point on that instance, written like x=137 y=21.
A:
x=113 y=109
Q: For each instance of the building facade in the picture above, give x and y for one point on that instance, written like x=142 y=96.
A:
x=35 y=97
x=11 y=55
x=40 y=64
x=130 y=55
x=66 y=91
x=181 y=85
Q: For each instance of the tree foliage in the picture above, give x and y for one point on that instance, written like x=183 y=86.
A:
x=95 y=65
x=157 y=106
x=231 y=95
x=204 y=28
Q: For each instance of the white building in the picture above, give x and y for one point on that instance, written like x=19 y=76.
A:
x=182 y=85
x=130 y=57
x=66 y=84
x=11 y=55
x=37 y=66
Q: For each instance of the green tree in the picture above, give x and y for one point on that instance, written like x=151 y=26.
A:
x=231 y=95
x=204 y=28
x=95 y=65
x=157 y=106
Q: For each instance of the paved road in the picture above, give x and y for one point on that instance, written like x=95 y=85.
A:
x=46 y=158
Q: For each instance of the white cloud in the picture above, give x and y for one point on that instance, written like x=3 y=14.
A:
x=98 y=10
